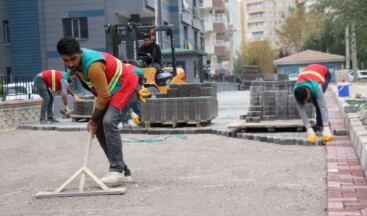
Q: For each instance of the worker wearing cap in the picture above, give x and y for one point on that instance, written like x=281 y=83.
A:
x=310 y=87
x=49 y=81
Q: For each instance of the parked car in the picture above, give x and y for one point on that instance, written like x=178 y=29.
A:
x=19 y=91
x=293 y=76
x=361 y=74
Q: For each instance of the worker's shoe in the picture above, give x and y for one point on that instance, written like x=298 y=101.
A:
x=44 y=121
x=127 y=174
x=53 y=120
x=113 y=178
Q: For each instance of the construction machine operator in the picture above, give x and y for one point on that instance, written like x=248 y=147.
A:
x=152 y=52
x=310 y=87
x=49 y=81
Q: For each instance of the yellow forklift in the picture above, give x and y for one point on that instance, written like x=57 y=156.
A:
x=157 y=79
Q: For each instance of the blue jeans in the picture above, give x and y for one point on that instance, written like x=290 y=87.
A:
x=314 y=102
x=47 y=97
x=108 y=134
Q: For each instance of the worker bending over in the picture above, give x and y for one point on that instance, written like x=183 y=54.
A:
x=310 y=87
x=116 y=89
x=49 y=81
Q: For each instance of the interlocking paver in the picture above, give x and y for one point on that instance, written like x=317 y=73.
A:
x=347 y=187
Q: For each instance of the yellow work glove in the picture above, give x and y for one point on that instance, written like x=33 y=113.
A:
x=135 y=118
x=143 y=92
x=326 y=135
x=311 y=136
x=76 y=99
x=67 y=110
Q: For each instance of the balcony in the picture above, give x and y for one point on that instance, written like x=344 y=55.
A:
x=186 y=18
x=209 y=49
x=216 y=23
x=222 y=51
x=198 y=24
x=213 y=4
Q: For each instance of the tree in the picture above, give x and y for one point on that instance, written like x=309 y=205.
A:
x=259 y=53
x=340 y=14
x=297 y=28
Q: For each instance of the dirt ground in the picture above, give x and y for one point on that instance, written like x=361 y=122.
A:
x=201 y=175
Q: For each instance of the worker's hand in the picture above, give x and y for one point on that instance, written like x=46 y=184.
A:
x=143 y=92
x=311 y=136
x=150 y=56
x=326 y=135
x=135 y=118
x=76 y=99
x=67 y=110
x=92 y=127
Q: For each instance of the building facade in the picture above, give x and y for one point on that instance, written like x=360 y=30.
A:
x=222 y=34
x=32 y=29
x=261 y=18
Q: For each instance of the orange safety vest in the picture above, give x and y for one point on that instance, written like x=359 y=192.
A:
x=52 y=79
x=122 y=82
x=315 y=72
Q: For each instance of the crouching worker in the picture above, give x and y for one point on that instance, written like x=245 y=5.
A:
x=310 y=87
x=116 y=90
x=135 y=111
x=49 y=81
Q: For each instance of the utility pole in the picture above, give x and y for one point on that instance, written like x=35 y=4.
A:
x=347 y=48
x=354 y=52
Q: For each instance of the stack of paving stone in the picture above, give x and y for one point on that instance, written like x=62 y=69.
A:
x=183 y=103
x=250 y=72
x=272 y=98
x=84 y=107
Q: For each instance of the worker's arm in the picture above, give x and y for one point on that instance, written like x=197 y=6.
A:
x=158 y=54
x=302 y=113
x=64 y=89
x=320 y=98
x=97 y=75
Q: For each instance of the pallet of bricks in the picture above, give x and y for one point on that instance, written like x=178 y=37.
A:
x=272 y=99
x=83 y=109
x=182 y=104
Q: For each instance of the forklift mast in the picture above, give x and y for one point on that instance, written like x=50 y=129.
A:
x=115 y=33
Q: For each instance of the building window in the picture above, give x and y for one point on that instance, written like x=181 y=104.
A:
x=6 y=32
x=75 y=27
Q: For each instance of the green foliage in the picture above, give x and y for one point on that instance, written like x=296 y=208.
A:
x=297 y=28
x=337 y=15
x=259 y=53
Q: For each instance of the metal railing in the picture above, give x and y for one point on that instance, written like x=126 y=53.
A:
x=22 y=88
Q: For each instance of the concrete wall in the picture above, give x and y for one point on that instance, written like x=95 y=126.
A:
x=13 y=114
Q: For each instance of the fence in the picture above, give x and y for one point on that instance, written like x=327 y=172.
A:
x=22 y=88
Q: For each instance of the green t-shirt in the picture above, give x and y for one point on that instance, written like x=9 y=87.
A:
x=310 y=84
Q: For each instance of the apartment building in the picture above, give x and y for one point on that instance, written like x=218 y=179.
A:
x=31 y=29
x=222 y=34
x=262 y=17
